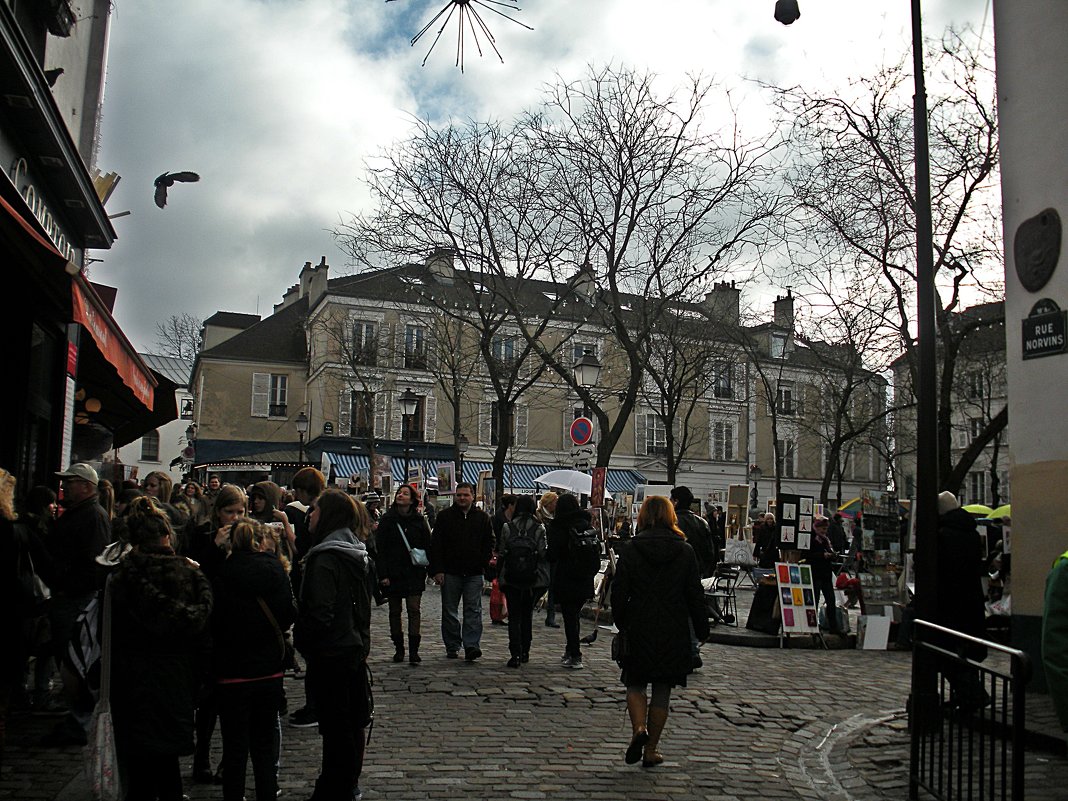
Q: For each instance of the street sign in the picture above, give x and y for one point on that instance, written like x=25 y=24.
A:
x=1044 y=330
x=584 y=451
x=582 y=465
x=581 y=430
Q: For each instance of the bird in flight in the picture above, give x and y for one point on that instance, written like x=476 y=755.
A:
x=167 y=180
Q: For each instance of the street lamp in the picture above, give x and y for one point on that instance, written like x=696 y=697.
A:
x=461 y=448
x=409 y=403
x=924 y=690
x=754 y=495
x=587 y=371
x=302 y=429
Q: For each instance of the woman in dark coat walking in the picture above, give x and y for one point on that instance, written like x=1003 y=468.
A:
x=400 y=580
x=523 y=547
x=572 y=583
x=160 y=605
x=656 y=594
x=253 y=606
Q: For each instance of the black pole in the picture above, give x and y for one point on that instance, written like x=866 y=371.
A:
x=300 y=457
x=407 y=460
x=923 y=701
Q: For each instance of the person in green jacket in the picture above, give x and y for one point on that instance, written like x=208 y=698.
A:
x=1055 y=637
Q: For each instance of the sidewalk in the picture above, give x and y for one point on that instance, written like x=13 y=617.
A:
x=778 y=724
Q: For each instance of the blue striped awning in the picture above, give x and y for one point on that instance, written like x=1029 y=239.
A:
x=346 y=464
x=518 y=476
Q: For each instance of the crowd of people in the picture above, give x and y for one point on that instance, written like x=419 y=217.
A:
x=211 y=592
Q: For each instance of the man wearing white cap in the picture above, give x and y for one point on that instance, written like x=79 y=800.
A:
x=80 y=534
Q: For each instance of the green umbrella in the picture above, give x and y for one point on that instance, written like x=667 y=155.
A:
x=978 y=509
x=1002 y=511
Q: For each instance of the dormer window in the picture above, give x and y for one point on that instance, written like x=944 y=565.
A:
x=778 y=346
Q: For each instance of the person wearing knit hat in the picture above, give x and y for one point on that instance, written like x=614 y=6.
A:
x=947 y=502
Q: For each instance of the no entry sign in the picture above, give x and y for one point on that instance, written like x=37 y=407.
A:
x=581 y=430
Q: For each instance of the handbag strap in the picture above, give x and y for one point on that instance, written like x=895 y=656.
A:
x=400 y=528
x=274 y=624
x=105 y=646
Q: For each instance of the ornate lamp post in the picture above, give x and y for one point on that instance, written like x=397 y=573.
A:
x=409 y=403
x=587 y=371
x=754 y=494
x=302 y=429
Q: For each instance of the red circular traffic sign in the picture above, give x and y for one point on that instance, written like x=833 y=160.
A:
x=581 y=430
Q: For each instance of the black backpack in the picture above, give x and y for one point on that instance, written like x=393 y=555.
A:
x=521 y=556
x=585 y=547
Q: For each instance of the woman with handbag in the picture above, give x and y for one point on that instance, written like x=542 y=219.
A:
x=656 y=594
x=403 y=538
x=160 y=606
x=253 y=606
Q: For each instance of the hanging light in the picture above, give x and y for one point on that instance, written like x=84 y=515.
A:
x=587 y=370
x=787 y=11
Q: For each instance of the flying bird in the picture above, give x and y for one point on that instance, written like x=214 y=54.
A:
x=167 y=180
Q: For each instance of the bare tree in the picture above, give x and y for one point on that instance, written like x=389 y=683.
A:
x=852 y=189
x=180 y=336
x=658 y=207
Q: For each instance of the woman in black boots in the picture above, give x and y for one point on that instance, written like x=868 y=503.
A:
x=655 y=595
x=401 y=529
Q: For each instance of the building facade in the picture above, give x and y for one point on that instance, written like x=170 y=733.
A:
x=345 y=351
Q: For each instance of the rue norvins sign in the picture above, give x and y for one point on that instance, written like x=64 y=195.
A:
x=1045 y=330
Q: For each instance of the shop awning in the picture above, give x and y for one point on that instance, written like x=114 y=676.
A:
x=518 y=476
x=90 y=311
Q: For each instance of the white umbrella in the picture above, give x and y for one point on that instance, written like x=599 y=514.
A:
x=571 y=480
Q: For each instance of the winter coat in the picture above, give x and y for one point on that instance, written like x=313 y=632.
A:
x=822 y=567
x=334 y=622
x=656 y=593
x=699 y=536
x=203 y=550
x=462 y=544
x=571 y=583
x=393 y=560
x=246 y=644
x=1055 y=637
x=541 y=547
x=80 y=533
x=959 y=591
x=161 y=604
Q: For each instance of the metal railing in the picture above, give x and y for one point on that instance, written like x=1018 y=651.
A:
x=966 y=716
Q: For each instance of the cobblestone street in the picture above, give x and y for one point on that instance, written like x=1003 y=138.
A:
x=772 y=723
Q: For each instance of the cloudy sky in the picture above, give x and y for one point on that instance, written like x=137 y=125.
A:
x=279 y=104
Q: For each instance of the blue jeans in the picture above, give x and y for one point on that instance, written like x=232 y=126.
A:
x=469 y=588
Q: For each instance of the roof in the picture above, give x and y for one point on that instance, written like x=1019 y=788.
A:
x=277 y=338
x=171 y=367
x=225 y=319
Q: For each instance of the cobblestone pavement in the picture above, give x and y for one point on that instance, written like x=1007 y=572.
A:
x=778 y=724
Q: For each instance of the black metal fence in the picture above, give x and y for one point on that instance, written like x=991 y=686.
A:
x=966 y=717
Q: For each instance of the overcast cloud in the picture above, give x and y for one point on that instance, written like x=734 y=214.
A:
x=279 y=103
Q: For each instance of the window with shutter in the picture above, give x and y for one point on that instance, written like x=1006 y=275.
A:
x=723 y=440
x=520 y=426
x=363 y=414
x=485 y=422
x=278 y=396
x=382 y=414
x=655 y=434
x=364 y=343
x=344 y=411
x=261 y=394
x=430 y=421
x=641 y=446
x=150 y=447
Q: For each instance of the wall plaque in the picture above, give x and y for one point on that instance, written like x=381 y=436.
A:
x=1036 y=248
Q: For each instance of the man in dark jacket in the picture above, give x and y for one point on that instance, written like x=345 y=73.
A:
x=79 y=535
x=695 y=528
x=460 y=551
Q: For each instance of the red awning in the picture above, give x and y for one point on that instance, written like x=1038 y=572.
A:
x=91 y=312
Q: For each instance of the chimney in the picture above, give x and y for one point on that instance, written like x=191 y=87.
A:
x=723 y=302
x=584 y=282
x=784 y=311
x=313 y=280
x=441 y=263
